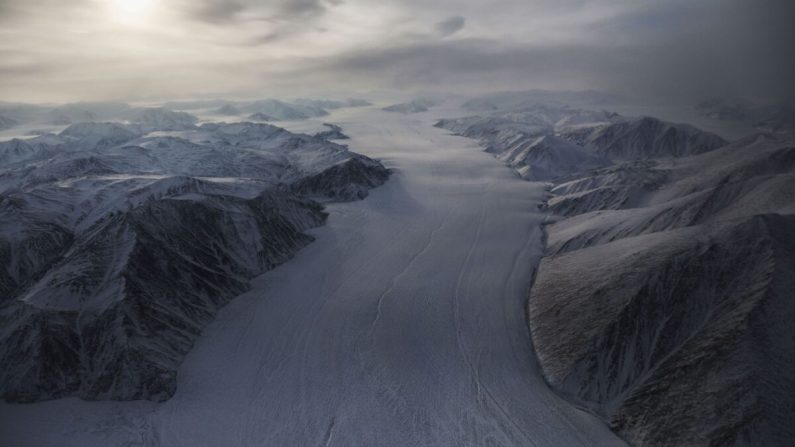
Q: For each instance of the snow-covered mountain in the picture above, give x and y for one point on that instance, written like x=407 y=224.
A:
x=644 y=138
x=415 y=106
x=770 y=117
x=663 y=301
x=522 y=99
x=7 y=123
x=259 y=116
x=330 y=104
x=174 y=115
x=544 y=142
x=663 y=298
x=266 y=109
x=119 y=243
x=282 y=110
x=154 y=117
x=334 y=132
x=228 y=110
x=548 y=157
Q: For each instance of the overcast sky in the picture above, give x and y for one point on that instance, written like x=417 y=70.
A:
x=62 y=50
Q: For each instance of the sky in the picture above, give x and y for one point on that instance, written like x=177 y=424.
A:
x=56 y=50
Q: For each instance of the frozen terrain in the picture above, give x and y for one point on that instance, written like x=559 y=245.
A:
x=402 y=324
x=662 y=299
x=119 y=243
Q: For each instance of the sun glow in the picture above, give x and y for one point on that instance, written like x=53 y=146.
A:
x=132 y=12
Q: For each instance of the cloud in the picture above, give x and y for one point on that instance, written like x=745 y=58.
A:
x=677 y=49
x=225 y=11
x=11 y=10
x=301 y=8
x=450 y=26
x=216 y=11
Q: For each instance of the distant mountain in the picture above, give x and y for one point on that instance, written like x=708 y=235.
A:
x=158 y=118
x=507 y=101
x=415 y=106
x=725 y=109
x=64 y=115
x=537 y=140
x=645 y=138
x=281 y=110
x=16 y=151
x=334 y=132
x=529 y=147
x=259 y=116
x=85 y=111
x=7 y=123
x=228 y=110
x=118 y=245
x=333 y=104
x=354 y=102
x=171 y=116
x=771 y=117
x=197 y=104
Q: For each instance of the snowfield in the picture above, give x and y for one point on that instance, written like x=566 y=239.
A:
x=402 y=324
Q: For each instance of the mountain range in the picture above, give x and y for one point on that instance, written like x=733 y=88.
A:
x=120 y=242
x=663 y=300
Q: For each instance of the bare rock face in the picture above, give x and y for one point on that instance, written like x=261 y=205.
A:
x=619 y=186
x=679 y=337
x=667 y=314
x=116 y=313
x=346 y=181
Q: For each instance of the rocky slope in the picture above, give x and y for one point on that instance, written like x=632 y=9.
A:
x=548 y=157
x=663 y=301
x=676 y=337
x=645 y=138
x=119 y=244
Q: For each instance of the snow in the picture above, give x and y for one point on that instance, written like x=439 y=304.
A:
x=402 y=324
x=415 y=106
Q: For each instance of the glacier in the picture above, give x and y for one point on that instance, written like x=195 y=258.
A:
x=402 y=323
x=662 y=298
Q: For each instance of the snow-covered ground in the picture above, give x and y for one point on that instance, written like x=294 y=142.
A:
x=402 y=324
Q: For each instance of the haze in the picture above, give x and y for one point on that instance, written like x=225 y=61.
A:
x=162 y=49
